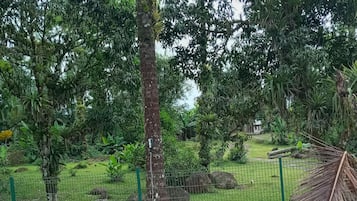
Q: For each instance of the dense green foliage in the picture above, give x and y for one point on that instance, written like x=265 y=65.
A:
x=134 y=155
x=71 y=86
x=178 y=157
x=299 y=62
x=284 y=61
x=238 y=152
x=280 y=131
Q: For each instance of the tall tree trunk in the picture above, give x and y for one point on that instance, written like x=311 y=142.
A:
x=155 y=181
x=48 y=168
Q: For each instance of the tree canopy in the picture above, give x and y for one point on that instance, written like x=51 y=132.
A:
x=72 y=74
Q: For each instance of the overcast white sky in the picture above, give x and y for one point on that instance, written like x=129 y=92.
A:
x=193 y=91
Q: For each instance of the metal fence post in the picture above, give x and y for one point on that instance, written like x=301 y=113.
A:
x=12 y=189
x=139 y=184
x=281 y=179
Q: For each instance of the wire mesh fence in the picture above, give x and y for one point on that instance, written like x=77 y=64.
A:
x=82 y=187
x=257 y=180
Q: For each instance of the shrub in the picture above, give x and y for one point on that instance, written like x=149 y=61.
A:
x=189 y=122
x=180 y=166
x=134 y=155
x=168 y=122
x=179 y=163
x=238 y=152
x=111 y=144
x=114 y=169
x=4 y=171
x=185 y=159
x=220 y=149
x=280 y=132
x=170 y=146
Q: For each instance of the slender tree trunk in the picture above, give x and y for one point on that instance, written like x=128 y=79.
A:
x=48 y=166
x=155 y=181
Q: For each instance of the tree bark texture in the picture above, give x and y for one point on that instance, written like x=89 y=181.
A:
x=49 y=175
x=155 y=180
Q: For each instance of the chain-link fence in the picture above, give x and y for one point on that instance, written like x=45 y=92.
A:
x=257 y=180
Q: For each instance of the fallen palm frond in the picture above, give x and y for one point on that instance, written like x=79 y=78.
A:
x=334 y=179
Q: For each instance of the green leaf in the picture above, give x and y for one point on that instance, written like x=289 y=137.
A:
x=3 y=153
x=5 y=66
x=113 y=160
x=299 y=145
x=104 y=140
x=58 y=19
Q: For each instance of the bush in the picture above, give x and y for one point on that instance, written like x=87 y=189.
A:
x=178 y=158
x=114 y=169
x=180 y=163
x=170 y=146
x=332 y=137
x=180 y=166
x=4 y=171
x=219 y=151
x=238 y=153
x=280 y=132
x=134 y=155
x=111 y=144
x=184 y=160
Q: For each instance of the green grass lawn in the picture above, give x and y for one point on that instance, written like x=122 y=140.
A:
x=29 y=185
x=260 y=145
x=258 y=179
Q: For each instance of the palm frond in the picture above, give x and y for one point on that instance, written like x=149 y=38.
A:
x=334 y=179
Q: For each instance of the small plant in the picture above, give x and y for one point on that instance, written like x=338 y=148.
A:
x=134 y=154
x=114 y=169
